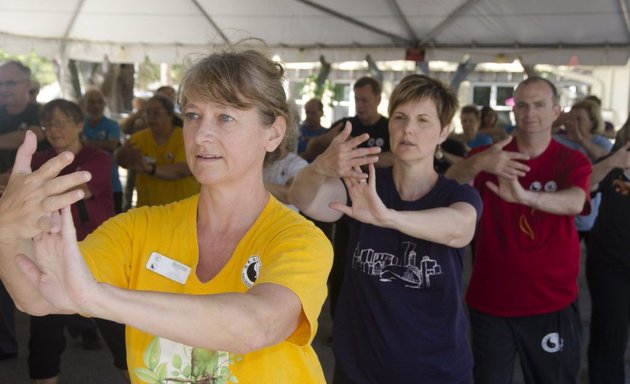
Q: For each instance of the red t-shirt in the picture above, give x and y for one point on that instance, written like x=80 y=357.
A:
x=526 y=260
x=100 y=206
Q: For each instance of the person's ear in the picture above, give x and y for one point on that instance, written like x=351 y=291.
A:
x=444 y=132
x=557 y=110
x=277 y=131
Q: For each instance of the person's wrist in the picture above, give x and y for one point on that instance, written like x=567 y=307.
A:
x=93 y=303
x=317 y=169
x=531 y=199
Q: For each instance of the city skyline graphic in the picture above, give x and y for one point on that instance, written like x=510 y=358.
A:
x=413 y=271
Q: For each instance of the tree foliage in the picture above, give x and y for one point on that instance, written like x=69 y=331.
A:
x=42 y=68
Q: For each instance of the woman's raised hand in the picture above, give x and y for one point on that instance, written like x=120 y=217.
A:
x=31 y=199
x=57 y=269
x=344 y=158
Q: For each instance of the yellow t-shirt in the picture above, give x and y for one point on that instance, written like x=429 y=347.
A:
x=153 y=190
x=281 y=247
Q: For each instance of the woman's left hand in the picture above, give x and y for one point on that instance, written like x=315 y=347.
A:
x=58 y=270
x=366 y=207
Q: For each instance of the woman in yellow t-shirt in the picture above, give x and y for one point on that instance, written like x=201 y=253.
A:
x=225 y=286
x=158 y=157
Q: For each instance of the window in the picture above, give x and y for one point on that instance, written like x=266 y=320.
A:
x=481 y=95
x=493 y=95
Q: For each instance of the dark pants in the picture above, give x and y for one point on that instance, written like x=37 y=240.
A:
x=339 y=377
x=48 y=341
x=610 y=297
x=114 y=335
x=8 y=342
x=118 y=202
x=548 y=347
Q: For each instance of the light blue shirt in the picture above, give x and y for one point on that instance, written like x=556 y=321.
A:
x=105 y=129
x=585 y=222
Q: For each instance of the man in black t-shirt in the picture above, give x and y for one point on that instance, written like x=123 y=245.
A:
x=367 y=97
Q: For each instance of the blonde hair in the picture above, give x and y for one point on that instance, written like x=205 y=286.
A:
x=241 y=79
x=594 y=114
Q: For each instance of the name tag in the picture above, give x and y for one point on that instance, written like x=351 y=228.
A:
x=169 y=268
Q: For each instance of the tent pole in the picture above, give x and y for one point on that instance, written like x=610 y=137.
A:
x=354 y=21
x=209 y=19
x=63 y=54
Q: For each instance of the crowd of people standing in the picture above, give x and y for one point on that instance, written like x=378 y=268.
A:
x=232 y=236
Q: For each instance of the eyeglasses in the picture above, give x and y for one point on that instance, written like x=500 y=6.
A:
x=55 y=123
x=11 y=83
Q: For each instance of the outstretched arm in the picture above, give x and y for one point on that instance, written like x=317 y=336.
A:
x=568 y=201
x=28 y=207
x=237 y=322
x=493 y=160
x=453 y=225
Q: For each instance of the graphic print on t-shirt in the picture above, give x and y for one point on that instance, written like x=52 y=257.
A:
x=167 y=361
x=413 y=271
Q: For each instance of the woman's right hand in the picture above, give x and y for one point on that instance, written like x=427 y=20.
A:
x=344 y=158
x=367 y=207
x=31 y=200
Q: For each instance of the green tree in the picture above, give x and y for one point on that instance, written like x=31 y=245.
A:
x=43 y=68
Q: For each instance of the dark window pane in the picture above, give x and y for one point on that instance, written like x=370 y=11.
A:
x=481 y=95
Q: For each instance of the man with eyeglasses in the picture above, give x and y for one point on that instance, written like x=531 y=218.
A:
x=17 y=115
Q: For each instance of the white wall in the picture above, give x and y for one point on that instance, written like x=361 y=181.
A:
x=613 y=87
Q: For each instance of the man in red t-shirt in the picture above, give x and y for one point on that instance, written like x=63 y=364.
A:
x=523 y=290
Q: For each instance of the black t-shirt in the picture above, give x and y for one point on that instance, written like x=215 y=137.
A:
x=379 y=131
x=10 y=123
x=453 y=147
x=610 y=236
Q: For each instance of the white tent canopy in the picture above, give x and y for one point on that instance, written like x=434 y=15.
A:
x=553 y=32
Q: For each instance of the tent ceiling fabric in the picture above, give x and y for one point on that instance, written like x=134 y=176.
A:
x=553 y=32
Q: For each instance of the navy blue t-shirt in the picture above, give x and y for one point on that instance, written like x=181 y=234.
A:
x=400 y=315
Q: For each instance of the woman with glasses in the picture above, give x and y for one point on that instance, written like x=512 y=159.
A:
x=158 y=157
x=62 y=121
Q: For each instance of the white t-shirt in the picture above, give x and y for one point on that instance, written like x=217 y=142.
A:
x=283 y=170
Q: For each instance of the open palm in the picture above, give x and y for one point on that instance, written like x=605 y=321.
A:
x=58 y=269
x=366 y=207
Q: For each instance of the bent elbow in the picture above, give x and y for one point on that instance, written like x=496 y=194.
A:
x=460 y=241
x=253 y=340
x=462 y=235
x=576 y=210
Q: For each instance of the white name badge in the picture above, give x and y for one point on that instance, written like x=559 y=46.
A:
x=169 y=268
